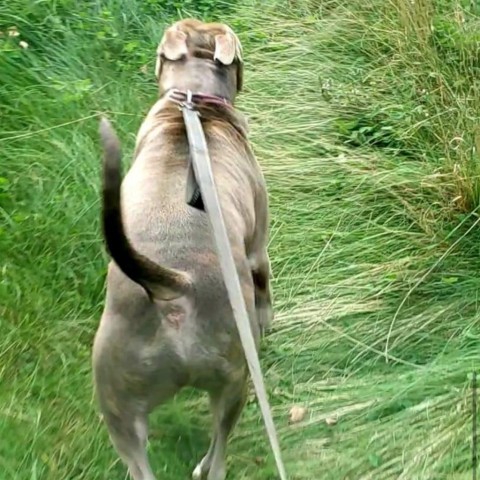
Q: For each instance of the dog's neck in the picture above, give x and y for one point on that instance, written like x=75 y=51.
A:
x=198 y=75
x=167 y=109
x=166 y=113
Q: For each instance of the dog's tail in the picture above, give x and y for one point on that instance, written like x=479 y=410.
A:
x=159 y=282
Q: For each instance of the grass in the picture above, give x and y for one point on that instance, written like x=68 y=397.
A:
x=365 y=119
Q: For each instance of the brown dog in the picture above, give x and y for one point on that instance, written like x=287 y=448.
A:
x=167 y=321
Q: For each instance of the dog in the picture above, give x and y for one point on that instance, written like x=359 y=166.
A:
x=167 y=322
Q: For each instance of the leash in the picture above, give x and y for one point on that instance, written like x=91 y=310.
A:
x=202 y=171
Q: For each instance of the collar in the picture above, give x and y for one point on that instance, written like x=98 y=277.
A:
x=190 y=99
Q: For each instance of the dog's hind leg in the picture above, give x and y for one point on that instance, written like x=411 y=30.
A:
x=227 y=406
x=202 y=469
x=129 y=437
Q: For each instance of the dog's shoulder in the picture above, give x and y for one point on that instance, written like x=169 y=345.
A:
x=161 y=119
x=149 y=121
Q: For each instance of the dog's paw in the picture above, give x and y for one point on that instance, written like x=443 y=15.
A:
x=200 y=472
x=197 y=473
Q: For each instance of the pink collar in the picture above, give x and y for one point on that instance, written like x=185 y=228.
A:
x=190 y=99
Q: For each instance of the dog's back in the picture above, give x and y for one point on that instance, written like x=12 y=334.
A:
x=196 y=330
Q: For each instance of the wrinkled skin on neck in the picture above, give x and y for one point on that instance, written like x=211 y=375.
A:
x=199 y=75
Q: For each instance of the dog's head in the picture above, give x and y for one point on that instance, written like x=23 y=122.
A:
x=201 y=57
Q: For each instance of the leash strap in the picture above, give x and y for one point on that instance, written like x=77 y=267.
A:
x=203 y=172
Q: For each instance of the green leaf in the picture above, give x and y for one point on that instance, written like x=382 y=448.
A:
x=449 y=280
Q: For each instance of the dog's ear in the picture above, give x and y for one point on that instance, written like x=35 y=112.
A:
x=228 y=49
x=172 y=47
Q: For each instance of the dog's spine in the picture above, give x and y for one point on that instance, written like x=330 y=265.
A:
x=159 y=282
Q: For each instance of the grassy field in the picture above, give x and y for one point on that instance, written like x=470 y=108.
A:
x=365 y=117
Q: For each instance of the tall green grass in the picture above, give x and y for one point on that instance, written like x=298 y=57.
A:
x=364 y=116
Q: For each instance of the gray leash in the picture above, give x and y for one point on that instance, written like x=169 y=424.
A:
x=202 y=172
